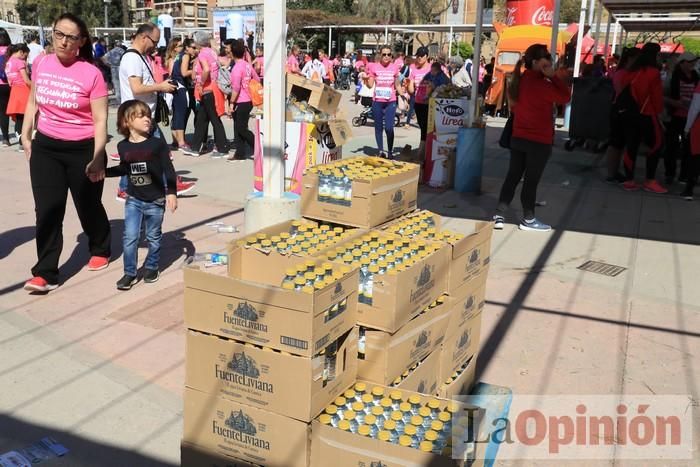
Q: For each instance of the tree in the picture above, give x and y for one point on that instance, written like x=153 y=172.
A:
x=31 y=12
x=403 y=11
x=463 y=49
x=338 y=7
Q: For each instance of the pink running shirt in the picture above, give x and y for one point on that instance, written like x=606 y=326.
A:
x=63 y=96
x=208 y=55
x=240 y=78
x=293 y=64
x=416 y=75
x=12 y=70
x=384 y=81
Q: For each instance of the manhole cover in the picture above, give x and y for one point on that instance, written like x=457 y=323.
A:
x=599 y=267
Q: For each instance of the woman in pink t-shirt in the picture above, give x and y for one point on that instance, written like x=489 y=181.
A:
x=20 y=85
x=5 y=42
x=384 y=77
x=419 y=89
x=68 y=151
x=241 y=75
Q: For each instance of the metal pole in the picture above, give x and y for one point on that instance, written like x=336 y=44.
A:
x=449 y=52
x=106 y=14
x=330 y=40
x=274 y=101
x=579 y=38
x=598 y=17
x=607 y=36
x=124 y=34
x=386 y=34
x=614 y=41
x=555 y=30
x=591 y=10
x=476 y=61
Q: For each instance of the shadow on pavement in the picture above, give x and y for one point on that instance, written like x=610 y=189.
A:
x=11 y=239
x=18 y=434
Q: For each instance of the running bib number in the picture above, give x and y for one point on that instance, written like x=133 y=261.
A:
x=382 y=93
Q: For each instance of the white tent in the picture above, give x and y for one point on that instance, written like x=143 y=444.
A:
x=16 y=31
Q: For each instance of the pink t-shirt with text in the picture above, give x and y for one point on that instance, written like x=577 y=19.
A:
x=63 y=95
x=384 y=81
x=240 y=78
x=207 y=55
x=416 y=75
x=292 y=64
x=12 y=70
x=260 y=61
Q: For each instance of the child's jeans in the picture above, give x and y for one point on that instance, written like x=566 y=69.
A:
x=136 y=212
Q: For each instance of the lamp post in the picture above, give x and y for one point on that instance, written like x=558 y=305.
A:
x=107 y=2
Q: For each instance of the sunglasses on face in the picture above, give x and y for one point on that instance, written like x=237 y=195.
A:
x=386 y=55
x=151 y=39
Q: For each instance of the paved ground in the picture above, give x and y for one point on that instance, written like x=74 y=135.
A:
x=102 y=370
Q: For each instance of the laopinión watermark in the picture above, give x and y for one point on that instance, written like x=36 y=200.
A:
x=574 y=427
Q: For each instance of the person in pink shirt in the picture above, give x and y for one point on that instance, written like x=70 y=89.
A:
x=399 y=61
x=384 y=78
x=20 y=85
x=5 y=42
x=419 y=69
x=328 y=78
x=259 y=62
x=293 y=61
x=241 y=75
x=68 y=150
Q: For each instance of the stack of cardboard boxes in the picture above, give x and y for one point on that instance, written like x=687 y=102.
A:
x=268 y=352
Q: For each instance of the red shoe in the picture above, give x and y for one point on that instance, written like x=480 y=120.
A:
x=38 y=284
x=653 y=186
x=97 y=262
x=184 y=187
x=121 y=196
x=114 y=157
x=630 y=185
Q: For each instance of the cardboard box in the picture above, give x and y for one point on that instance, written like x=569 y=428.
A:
x=290 y=385
x=387 y=356
x=373 y=203
x=464 y=329
x=318 y=95
x=249 y=305
x=332 y=446
x=194 y=456
x=462 y=385
x=448 y=115
x=399 y=297
x=231 y=429
x=424 y=378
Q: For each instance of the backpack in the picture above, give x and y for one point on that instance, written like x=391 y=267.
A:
x=224 y=80
x=625 y=101
x=3 y=75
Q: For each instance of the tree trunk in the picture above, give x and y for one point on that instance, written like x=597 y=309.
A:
x=125 y=12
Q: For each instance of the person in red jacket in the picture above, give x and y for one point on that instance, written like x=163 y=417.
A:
x=533 y=95
x=641 y=119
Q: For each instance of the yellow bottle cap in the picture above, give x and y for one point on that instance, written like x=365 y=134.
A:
x=426 y=446
x=252 y=240
x=359 y=387
x=309 y=263
x=266 y=243
x=308 y=289
x=374 y=269
x=405 y=441
x=364 y=430
x=288 y=286
x=424 y=412
x=384 y=436
x=452 y=407
x=396 y=415
x=414 y=399
x=325 y=228
x=377 y=391
x=410 y=430
x=430 y=435
x=397 y=380
x=282 y=245
x=433 y=404
x=444 y=417
x=284 y=235
x=377 y=411
x=291 y=271
x=358 y=406
x=344 y=425
x=396 y=395
x=349 y=415
x=405 y=407
x=345 y=269
x=437 y=425
x=300 y=281
x=325 y=419
x=385 y=402
x=332 y=409
x=261 y=236
x=365 y=261
x=389 y=425
x=309 y=276
x=296 y=223
x=416 y=420
x=367 y=399
x=340 y=401
x=349 y=394
x=370 y=419
x=297 y=249
x=319 y=271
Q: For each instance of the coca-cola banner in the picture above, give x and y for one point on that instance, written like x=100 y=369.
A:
x=529 y=12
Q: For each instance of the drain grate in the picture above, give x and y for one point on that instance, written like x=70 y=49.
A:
x=599 y=267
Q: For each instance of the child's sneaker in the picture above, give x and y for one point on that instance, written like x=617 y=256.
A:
x=687 y=195
x=151 y=276
x=183 y=187
x=498 y=222
x=38 y=284
x=652 y=186
x=630 y=185
x=126 y=282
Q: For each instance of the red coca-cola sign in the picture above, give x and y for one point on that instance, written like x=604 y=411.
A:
x=529 y=12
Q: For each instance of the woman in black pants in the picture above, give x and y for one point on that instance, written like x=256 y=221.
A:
x=5 y=42
x=533 y=95
x=68 y=151
x=241 y=74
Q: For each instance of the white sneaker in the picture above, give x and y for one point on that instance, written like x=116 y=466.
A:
x=498 y=222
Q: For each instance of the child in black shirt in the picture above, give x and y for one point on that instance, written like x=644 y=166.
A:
x=152 y=187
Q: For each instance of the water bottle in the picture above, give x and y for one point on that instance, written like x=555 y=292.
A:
x=417 y=421
x=396 y=399
x=378 y=413
x=378 y=394
x=384 y=436
x=332 y=411
x=397 y=418
x=350 y=417
x=412 y=433
x=390 y=426
x=210 y=259
x=371 y=421
x=406 y=412
x=446 y=419
x=324 y=186
x=427 y=417
x=359 y=409
x=364 y=430
x=337 y=188
x=405 y=441
x=369 y=284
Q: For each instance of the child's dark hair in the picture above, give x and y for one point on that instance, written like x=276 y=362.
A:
x=14 y=48
x=127 y=112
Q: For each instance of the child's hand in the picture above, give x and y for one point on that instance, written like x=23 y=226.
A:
x=171 y=202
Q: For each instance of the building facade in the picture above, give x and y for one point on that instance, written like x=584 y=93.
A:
x=186 y=13
x=8 y=12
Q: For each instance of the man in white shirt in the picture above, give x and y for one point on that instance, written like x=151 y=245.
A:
x=35 y=49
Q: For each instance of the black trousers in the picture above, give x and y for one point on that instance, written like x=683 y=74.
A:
x=675 y=141
x=244 y=140
x=641 y=129
x=422 y=117
x=4 y=119
x=527 y=158
x=205 y=115
x=693 y=171
x=55 y=168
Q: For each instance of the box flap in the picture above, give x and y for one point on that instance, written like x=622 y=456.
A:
x=341 y=131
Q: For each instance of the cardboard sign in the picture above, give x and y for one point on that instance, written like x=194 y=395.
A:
x=448 y=115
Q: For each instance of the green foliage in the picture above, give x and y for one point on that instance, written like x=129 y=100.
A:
x=463 y=49
x=691 y=45
x=338 y=7
x=91 y=11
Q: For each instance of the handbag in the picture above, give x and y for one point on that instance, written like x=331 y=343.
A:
x=507 y=133
x=161 y=114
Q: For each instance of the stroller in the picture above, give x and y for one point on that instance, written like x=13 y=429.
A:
x=366 y=113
